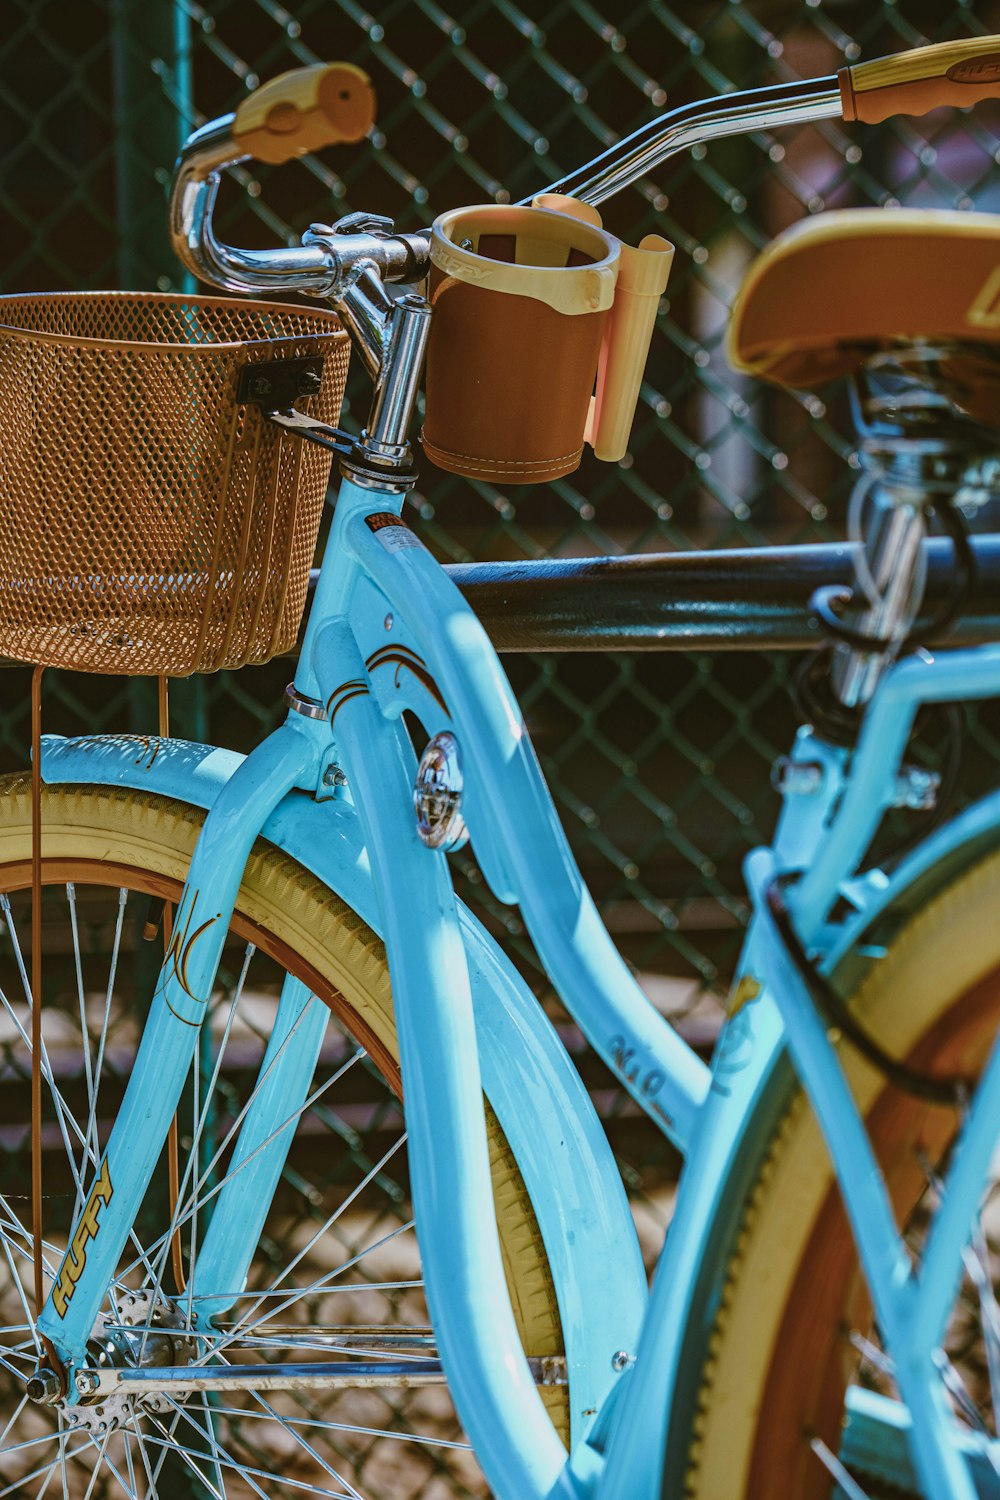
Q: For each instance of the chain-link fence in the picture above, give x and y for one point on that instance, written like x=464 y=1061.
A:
x=659 y=763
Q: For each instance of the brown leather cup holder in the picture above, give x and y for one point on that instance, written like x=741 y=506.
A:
x=541 y=326
x=521 y=297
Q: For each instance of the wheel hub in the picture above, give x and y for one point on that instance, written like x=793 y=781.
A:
x=147 y=1332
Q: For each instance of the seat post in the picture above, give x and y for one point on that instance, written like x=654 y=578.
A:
x=892 y=581
x=918 y=450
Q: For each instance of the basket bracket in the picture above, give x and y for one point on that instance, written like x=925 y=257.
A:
x=274 y=384
x=333 y=438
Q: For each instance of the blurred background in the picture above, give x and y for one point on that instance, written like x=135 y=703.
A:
x=659 y=762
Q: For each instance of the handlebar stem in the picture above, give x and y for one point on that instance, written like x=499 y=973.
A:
x=365 y=311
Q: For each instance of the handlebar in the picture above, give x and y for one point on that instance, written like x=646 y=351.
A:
x=349 y=263
x=316 y=106
x=327 y=262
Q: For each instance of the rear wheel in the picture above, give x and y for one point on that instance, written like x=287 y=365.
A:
x=336 y=1275
x=792 y=1329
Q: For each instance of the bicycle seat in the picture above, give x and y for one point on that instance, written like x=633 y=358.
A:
x=837 y=288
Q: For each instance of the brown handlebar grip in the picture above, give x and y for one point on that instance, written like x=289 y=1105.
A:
x=911 y=83
x=304 y=110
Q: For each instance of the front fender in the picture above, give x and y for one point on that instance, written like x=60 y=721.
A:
x=543 y=1108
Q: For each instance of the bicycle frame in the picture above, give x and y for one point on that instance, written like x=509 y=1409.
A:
x=389 y=634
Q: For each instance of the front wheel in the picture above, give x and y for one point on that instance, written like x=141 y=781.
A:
x=336 y=1273
x=790 y=1330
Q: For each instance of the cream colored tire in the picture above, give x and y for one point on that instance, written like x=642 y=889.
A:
x=108 y=837
x=778 y=1357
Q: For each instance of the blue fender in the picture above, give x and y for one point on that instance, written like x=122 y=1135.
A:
x=539 y=1099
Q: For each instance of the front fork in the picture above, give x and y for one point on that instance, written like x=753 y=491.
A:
x=453 y=1195
x=177 y=1014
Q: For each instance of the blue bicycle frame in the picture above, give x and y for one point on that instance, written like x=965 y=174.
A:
x=389 y=633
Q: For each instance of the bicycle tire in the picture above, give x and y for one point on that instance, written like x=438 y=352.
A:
x=773 y=1370
x=101 y=838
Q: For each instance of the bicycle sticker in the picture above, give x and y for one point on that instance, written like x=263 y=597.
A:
x=393 y=533
x=76 y=1256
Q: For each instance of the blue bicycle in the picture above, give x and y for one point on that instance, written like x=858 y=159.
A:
x=214 y=936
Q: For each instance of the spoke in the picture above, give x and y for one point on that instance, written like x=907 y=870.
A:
x=180 y=1219
x=48 y=1478
x=141 y=1442
x=327 y=1468
x=64 y=1115
x=64 y=1471
x=852 y=1490
x=342 y=1208
x=873 y=1354
x=220 y=1458
x=242 y=1326
x=977 y=1261
x=102 y=1449
x=81 y=995
x=308 y=1104
x=188 y=1453
x=17 y=1488
x=320 y=1425
x=19 y=1408
x=955 y=1386
x=99 y=1065
x=162 y=1246
x=207 y=1410
x=18 y=1229
x=318 y=1345
x=16 y=1282
x=66 y=1118
x=245 y=1472
x=102 y=1458
x=166 y=1451
x=322 y=1282
x=126 y=1436
x=6 y=1364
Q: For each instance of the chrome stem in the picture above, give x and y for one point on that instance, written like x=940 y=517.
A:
x=397 y=387
x=365 y=309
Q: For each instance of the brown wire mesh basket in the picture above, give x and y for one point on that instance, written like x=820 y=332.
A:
x=151 y=520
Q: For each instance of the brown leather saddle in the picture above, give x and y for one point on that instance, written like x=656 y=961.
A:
x=835 y=289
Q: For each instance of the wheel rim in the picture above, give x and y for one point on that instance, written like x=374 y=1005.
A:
x=827 y=1315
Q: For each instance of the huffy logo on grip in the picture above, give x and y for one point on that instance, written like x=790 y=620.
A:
x=76 y=1256
x=976 y=69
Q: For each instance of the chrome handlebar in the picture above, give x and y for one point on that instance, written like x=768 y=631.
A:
x=350 y=262
x=327 y=263
x=331 y=261
x=695 y=125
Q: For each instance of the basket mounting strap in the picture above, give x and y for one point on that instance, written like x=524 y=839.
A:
x=321 y=433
